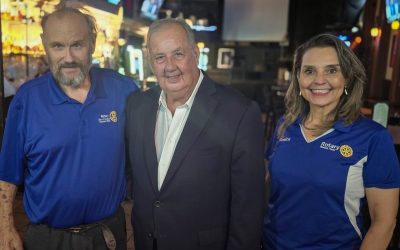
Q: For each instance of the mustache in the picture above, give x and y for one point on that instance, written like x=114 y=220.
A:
x=70 y=65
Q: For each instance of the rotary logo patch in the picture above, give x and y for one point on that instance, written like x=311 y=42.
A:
x=346 y=151
x=112 y=117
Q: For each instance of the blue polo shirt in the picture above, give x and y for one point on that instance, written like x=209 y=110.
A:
x=69 y=155
x=318 y=186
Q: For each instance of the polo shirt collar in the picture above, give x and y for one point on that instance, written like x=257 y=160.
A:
x=339 y=125
x=98 y=82
x=96 y=90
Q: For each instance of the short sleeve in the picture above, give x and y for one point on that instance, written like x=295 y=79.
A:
x=12 y=150
x=382 y=168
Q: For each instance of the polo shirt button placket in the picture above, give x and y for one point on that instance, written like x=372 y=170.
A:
x=84 y=128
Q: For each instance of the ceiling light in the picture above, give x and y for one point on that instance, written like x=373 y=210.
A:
x=355 y=29
x=374 y=31
x=395 y=25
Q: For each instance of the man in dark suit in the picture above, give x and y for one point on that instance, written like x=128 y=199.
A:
x=196 y=153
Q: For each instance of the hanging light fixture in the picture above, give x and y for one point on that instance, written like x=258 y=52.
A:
x=395 y=25
x=375 y=31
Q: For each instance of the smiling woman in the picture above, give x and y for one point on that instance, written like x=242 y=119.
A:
x=321 y=81
x=339 y=160
x=327 y=85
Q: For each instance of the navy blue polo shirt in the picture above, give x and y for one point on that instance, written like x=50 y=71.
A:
x=318 y=186
x=69 y=155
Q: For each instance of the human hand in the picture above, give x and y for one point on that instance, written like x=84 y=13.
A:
x=10 y=239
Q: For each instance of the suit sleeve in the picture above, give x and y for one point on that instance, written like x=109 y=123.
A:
x=247 y=183
x=129 y=106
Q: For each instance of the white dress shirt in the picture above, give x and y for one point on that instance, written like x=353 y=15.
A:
x=169 y=129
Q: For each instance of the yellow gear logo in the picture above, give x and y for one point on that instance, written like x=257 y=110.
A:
x=346 y=150
x=113 y=116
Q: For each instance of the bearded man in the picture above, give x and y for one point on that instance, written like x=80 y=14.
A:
x=64 y=140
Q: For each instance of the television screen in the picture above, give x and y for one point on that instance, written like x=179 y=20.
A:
x=150 y=8
x=255 y=20
x=392 y=10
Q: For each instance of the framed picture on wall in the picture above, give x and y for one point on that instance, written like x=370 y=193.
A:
x=225 y=58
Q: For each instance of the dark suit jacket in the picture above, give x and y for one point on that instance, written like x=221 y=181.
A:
x=213 y=194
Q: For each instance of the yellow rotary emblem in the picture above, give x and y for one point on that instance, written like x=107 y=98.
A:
x=346 y=150
x=113 y=116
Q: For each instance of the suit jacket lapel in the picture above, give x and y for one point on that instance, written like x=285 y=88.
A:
x=150 y=116
x=203 y=106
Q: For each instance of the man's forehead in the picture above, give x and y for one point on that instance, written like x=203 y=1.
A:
x=168 y=31
x=168 y=28
x=64 y=17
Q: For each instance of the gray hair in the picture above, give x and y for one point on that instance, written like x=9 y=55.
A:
x=158 y=24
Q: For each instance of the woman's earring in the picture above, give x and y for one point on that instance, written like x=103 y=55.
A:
x=345 y=91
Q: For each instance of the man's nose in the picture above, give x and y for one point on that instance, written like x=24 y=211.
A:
x=68 y=55
x=170 y=63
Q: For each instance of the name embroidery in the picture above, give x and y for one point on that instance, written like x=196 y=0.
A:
x=329 y=146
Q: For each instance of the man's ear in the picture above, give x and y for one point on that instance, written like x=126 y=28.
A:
x=43 y=38
x=149 y=59
x=196 y=52
x=93 y=44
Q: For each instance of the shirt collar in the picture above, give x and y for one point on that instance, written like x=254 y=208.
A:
x=96 y=90
x=163 y=102
x=339 y=125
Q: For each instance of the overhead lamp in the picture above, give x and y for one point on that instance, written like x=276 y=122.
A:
x=375 y=31
x=189 y=22
x=121 y=41
x=355 y=29
x=357 y=40
x=395 y=25
x=204 y=28
x=201 y=45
